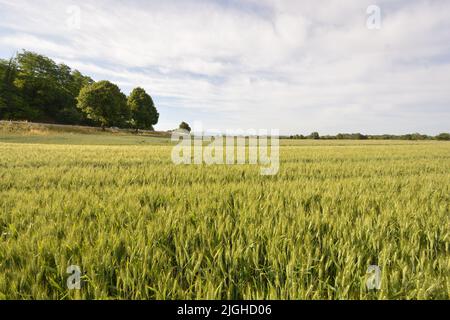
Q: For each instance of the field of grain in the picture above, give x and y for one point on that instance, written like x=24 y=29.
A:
x=140 y=227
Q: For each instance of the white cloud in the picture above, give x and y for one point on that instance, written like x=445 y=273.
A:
x=295 y=65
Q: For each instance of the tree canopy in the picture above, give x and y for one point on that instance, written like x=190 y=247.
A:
x=104 y=103
x=143 y=111
x=185 y=126
x=33 y=87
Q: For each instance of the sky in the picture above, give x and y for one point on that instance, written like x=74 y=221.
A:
x=298 y=66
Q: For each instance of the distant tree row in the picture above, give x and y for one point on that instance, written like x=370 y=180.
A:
x=35 y=88
x=359 y=136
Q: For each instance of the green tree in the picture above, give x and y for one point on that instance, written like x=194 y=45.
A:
x=143 y=112
x=443 y=136
x=70 y=114
x=359 y=136
x=37 y=80
x=104 y=103
x=3 y=104
x=185 y=126
x=48 y=90
x=34 y=87
x=12 y=106
x=79 y=81
x=315 y=136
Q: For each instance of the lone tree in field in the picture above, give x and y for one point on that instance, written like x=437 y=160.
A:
x=315 y=136
x=185 y=126
x=104 y=103
x=143 y=112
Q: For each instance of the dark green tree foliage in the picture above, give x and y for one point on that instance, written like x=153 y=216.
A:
x=50 y=90
x=40 y=81
x=185 y=126
x=143 y=111
x=443 y=136
x=35 y=88
x=104 y=103
x=347 y=136
x=12 y=106
x=3 y=103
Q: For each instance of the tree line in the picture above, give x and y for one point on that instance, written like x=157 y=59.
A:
x=35 y=88
x=359 y=136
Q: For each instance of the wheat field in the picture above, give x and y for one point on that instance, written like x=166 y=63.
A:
x=140 y=227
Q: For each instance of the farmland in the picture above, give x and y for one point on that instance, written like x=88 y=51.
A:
x=140 y=227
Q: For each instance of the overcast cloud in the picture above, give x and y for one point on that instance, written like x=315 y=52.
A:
x=298 y=66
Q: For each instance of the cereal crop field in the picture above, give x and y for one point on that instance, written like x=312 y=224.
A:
x=140 y=227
